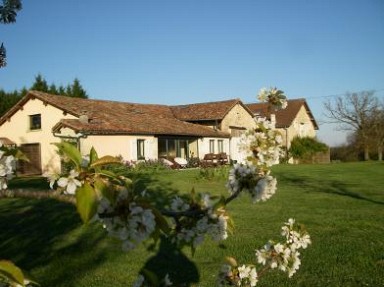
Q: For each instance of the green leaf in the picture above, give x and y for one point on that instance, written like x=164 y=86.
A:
x=70 y=151
x=11 y=272
x=161 y=222
x=103 y=189
x=86 y=202
x=232 y=261
x=20 y=155
x=93 y=156
x=220 y=203
x=107 y=173
x=105 y=160
x=150 y=276
x=193 y=195
x=127 y=181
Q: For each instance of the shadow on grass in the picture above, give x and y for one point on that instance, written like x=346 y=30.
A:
x=169 y=260
x=330 y=187
x=31 y=234
x=158 y=191
x=31 y=226
x=47 y=237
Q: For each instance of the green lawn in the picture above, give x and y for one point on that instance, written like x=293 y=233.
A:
x=341 y=205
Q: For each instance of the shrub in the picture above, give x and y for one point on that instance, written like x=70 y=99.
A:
x=304 y=148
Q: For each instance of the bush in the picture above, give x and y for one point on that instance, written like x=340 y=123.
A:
x=305 y=148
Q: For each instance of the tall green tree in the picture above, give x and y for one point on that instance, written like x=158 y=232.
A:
x=8 y=100
x=77 y=90
x=40 y=84
x=52 y=89
x=8 y=13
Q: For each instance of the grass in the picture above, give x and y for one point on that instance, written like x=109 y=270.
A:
x=341 y=205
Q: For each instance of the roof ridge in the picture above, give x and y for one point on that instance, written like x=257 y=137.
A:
x=210 y=102
x=94 y=100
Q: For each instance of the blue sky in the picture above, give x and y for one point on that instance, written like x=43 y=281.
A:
x=186 y=51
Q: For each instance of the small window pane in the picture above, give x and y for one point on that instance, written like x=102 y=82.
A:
x=140 y=149
x=35 y=122
x=211 y=146
x=220 y=146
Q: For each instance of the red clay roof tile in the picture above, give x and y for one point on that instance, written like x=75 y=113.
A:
x=284 y=118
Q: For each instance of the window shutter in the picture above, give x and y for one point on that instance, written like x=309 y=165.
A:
x=147 y=149
x=133 y=150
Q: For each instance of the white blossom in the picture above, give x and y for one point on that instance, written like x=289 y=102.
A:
x=167 y=281
x=136 y=227
x=71 y=183
x=285 y=256
x=239 y=175
x=178 y=204
x=263 y=95
x=52 y=178
x=245 y=275
x=7 y=165
x=264 y=189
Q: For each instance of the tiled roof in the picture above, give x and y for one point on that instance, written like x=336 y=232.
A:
x=285 y=117
x=205 y=111
x=109 y=117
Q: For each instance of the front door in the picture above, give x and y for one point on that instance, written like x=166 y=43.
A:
x=33 y=153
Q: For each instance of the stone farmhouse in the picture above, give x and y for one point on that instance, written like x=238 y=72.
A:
x=138 y=131
x=295 y=120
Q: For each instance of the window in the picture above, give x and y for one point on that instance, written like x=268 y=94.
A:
x=220 y=146
x=211 y=146
x=237 y=132
x=174 y=147
x=140 y=149
x=35 y=122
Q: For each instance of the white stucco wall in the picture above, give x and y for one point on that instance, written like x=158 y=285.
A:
x=17 y=129
x=119 y=145
x=204 y=146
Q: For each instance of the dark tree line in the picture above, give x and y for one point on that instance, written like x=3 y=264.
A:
x=8 y=99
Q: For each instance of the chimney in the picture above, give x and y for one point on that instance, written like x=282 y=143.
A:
x=84 y=117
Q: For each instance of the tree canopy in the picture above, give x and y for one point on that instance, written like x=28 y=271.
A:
x=8 y=13
x=9 y=99
x=355 y=112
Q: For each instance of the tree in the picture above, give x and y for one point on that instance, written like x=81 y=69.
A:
x=52 y=89
x=7 y=100
x=40 y=84
x=304 y=148
x=353 y=112
x=8 y=13
x=77 y=90
x=376 y=132
x=3 y=56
